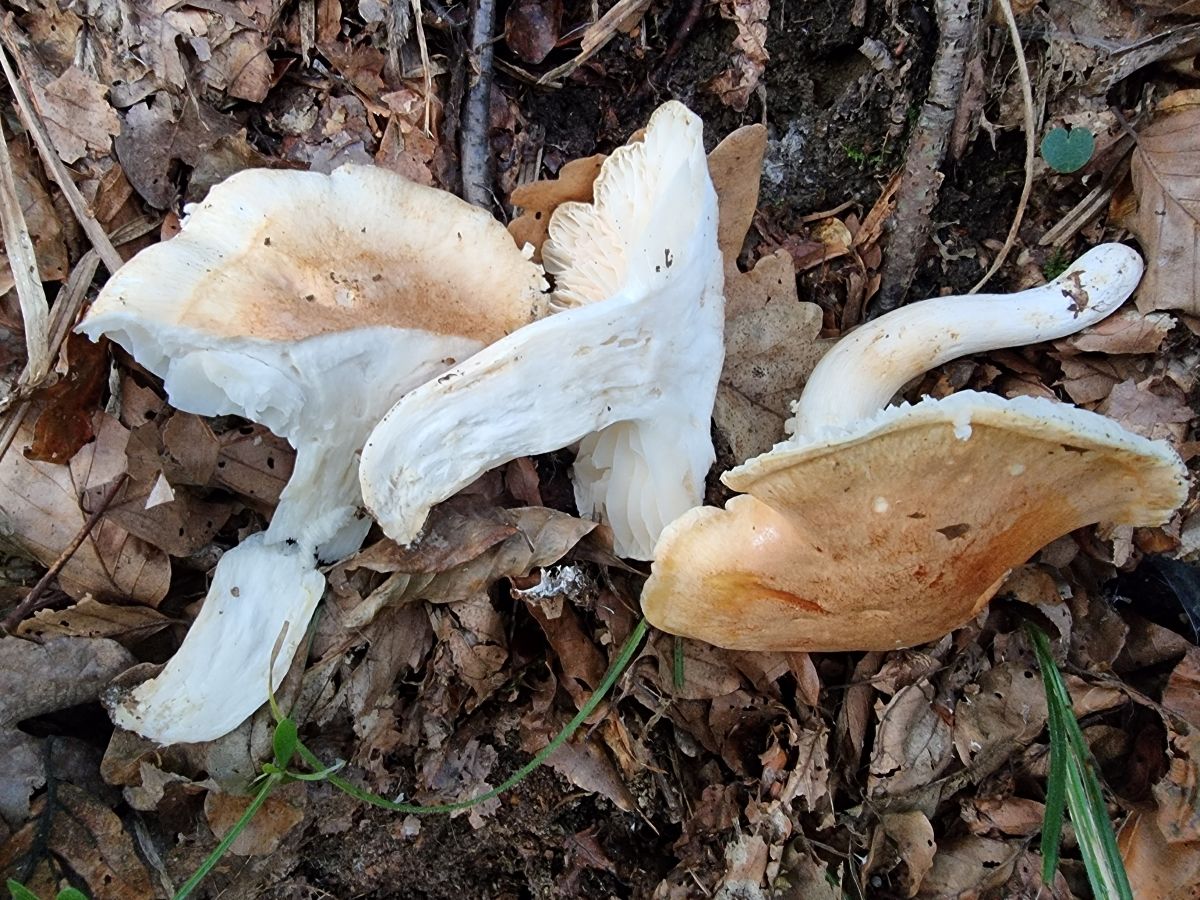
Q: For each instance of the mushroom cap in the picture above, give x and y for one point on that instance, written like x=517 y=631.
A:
x=287 y=255
x=288 y=292
x=898 y=529
x=628 y=368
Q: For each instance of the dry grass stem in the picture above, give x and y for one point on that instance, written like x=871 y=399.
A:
x=1030 y=146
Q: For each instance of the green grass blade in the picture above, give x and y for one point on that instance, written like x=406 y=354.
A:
x=1056 y=788
x=624 y=658
x=1084 y=796
x=213 y=858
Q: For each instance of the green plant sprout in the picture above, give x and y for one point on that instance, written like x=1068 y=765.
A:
x=18 y=891
x=1073 y=785
x=1068 y=150
x=1056 y=263
x=286 y=745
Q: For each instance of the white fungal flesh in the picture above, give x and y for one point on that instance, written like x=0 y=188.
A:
x=261 y=595
x=308 y=303
x=629 y=368
x=865 y=369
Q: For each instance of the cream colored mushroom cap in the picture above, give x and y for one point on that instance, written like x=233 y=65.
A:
x=286 y=255
x=899 y=529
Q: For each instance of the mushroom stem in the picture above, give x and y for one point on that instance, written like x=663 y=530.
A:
x=865 y=370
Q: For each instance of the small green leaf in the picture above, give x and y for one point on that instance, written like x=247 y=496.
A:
x=1066 y=150
x=71 y=893
x=18 y=891
x=284 y=742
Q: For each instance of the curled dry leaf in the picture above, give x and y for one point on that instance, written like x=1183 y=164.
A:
x=539 y=199
x=904 y=837
x=542 y=537
x=912 y=745
x=40 y=510
x=1165 y=213
x=127 y=625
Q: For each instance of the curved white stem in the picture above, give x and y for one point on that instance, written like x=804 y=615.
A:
x=864 y=370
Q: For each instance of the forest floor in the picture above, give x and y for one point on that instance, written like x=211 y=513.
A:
x=708 y=773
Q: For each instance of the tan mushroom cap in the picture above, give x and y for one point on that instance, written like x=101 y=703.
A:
x=286 y=255
x=900 y=529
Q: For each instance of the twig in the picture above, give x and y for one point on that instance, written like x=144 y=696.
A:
x=690 y=18
x=30 y=602
x=957 y=23
x=22 y=260
x=426 y=65
x=54 y=166
x=476 y=146
x=1030 y=145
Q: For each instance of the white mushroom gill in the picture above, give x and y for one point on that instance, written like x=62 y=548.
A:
x=628 y=368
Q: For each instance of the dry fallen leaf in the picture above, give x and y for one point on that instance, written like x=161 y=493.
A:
x=1166 y=214
x=41 y=219
x=1129 y=330
x=970 y=866
x=538 y=200
x=1157 y=869
x=905 y=837
x=36 y=679
x=542 y=537
x=86 y=837
x=156 y=133
x=1155 y=408
x=40 y=511
x=282 y=812
x=90 y=618
x=735 y=85
x=912 y=744
x=65 y=422
x=77 y=114
x=1003 y=711
x=531 y=28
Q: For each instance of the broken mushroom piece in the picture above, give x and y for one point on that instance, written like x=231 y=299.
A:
x=873 y=529
x=628 y=368
x=308 y=303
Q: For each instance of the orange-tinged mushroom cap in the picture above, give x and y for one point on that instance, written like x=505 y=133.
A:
x=901 y=528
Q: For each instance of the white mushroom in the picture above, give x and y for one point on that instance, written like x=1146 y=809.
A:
x=628 y=368
x=877 y=528
x=308 y=303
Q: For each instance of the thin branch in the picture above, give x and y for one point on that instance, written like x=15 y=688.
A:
x=26 y=606
x=919 y=185
x=478 y=167
x=1030 y=146
x=54 y=166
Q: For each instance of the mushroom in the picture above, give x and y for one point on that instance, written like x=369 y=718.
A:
x=873 y=528
x=627 y=368
x=308 y=303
